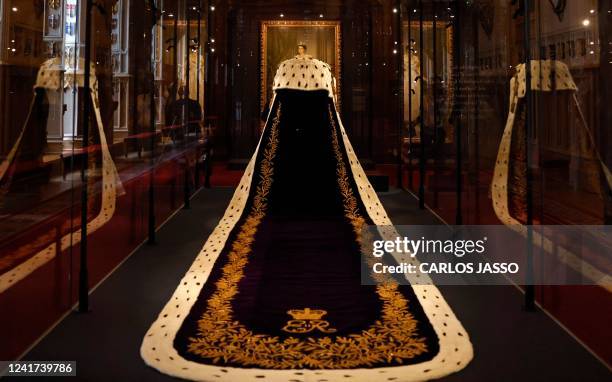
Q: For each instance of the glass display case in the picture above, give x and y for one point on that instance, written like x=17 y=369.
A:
x=102 y=138
x=113 y=113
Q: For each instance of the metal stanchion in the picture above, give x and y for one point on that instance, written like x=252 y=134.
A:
x=152 y=220
x=83 y=270
x=435 y=146
x=476 y=130
x=457 y=117
x=422 y=112
x=410 y=85
x=399 y=94
x=199 y=64
x=529 y=287
x=186 y=107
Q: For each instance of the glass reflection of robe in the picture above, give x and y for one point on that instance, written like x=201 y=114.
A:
x=412 y=108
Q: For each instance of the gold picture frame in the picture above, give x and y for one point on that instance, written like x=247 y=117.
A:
x=312 y=33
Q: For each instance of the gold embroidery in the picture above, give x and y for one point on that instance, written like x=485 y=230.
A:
x=351 y=211
x=220 y=338
x=307 y=320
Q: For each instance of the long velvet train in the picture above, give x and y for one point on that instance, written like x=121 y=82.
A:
x=276 y=292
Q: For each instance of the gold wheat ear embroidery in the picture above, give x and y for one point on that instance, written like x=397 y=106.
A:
x=306 y=320
x=221 y=339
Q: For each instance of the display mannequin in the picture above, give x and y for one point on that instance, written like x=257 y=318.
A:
x=180 y=108
x=277 y=286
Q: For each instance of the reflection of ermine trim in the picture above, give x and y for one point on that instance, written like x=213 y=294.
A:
x=110 y=184
x=8 y=161
x=541 y=81
x=49 y=78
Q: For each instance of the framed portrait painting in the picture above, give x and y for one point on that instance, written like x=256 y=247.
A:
x=280 y=40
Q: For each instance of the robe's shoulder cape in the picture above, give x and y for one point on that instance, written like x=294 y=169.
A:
x=307 y=74
x=275 y=294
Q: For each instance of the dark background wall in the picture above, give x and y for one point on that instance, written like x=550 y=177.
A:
x=369 y=108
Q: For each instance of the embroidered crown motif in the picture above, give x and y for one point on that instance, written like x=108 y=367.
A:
x=306 y=320
x=307 y=314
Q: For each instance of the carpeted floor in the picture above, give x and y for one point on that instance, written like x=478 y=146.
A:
x=509 y=344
